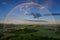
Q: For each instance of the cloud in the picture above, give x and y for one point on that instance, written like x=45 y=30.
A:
x=4 y=3
x=53 y=14
x=35 y=15
x=37 y=20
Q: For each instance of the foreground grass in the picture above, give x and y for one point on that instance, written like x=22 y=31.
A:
x=28 y=36
x=30 y=33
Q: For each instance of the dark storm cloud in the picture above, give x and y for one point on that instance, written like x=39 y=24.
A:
x=53 y=14
x=36 y=15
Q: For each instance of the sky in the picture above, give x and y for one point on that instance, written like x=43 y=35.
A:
x=52 y=5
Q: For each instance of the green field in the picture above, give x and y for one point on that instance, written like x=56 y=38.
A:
x=30 y=33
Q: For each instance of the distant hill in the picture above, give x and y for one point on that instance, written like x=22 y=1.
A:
x=1 y=26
